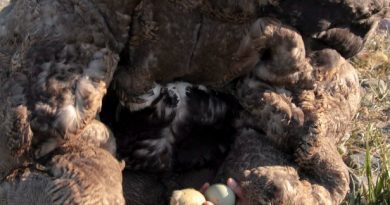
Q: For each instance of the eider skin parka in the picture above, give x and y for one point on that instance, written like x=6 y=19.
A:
x=284 y=60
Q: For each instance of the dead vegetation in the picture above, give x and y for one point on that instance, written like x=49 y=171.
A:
x=369 y=145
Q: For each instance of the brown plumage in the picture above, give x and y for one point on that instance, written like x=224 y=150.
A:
x=276 y=53
x=143 y=189
x=269 y=175
x=302 y=98
x=209 y=43
x=57 y=57
x=280 y=110
x=98 y=134
x=54 y=68
x=163 y=48
x=67 y=61
x=72 y=174
x=340 y=25
x=302 y=116
x=16 y=134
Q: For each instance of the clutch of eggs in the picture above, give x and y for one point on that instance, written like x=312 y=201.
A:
x=218 y=194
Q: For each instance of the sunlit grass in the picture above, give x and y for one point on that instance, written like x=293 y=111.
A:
x=371 y=130
x=3 y=3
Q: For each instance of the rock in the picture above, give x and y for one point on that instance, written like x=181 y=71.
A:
x=357 y=161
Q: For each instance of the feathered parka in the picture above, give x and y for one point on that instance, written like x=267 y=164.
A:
x=64 y=54
x=57 y=58
x=73 y=173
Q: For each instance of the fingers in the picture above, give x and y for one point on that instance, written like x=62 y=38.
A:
x=204 y=187
x=235 y=187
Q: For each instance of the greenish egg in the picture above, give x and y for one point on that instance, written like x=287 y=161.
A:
x=220 y=194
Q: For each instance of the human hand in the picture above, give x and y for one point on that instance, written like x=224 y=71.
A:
x=240 y=197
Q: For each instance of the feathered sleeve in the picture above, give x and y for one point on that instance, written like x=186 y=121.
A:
x=67 y=52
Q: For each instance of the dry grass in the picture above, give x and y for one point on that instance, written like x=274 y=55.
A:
x=373 y=64
x=3 y=3
x=371 y=130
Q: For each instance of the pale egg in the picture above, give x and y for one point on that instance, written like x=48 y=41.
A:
x=220 y=194
x=187 y=197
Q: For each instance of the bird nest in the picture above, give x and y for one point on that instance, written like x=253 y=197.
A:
x=188 y=92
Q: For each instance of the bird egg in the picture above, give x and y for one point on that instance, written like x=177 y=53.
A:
x=220 y=194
